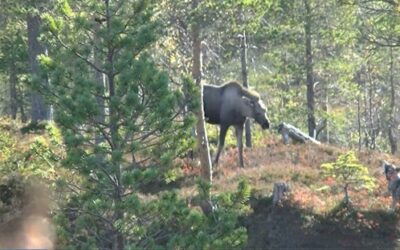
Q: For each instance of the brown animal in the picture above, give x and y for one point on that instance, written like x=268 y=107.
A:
x=230 y=105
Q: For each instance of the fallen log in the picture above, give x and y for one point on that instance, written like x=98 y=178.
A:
x=289 y=131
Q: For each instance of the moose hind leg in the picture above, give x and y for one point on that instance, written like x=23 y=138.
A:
x=239 y=138
x=221 y=142
x=393 y=206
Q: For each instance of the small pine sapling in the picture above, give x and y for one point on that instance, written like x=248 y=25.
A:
x=348 y=172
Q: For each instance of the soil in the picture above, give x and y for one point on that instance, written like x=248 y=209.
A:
x=287 y=227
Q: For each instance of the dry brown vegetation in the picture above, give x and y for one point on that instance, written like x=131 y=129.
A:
x=312 y=216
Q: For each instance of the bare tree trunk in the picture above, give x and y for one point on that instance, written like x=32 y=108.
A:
x=366 y=133
x=362 y=107
x=392 y=140
x=360 y=80
x=243 y=59
x=359 y=122
x=202 y=139
x=100 y=81
x=39 y=110
x=327 y=120
x=392 y=124
x=322 y=127
x=21 y=104
x=309 y=72
x=371 y=118
x=13 y=92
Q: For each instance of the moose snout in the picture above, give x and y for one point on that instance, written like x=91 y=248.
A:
x=265 y=125
x=262 y=119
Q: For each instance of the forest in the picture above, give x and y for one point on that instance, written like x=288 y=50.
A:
x=106 y=141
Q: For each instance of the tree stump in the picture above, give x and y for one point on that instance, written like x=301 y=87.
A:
x=280 y=190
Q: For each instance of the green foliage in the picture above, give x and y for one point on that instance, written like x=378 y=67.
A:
x=204 y=188
x=164 y=222
x=123 y=121
x=172 y=174
x=119 y=138
x=28 y=161
x=35 y=156
x=14 y=59
x=7 y=145
x=182 y=227
x=348 y=172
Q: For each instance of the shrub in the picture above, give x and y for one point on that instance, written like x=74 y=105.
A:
x=348 y=172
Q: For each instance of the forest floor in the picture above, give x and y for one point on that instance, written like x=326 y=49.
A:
x=311 y=217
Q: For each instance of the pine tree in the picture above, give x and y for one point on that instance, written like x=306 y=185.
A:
x=348 y=173
x=140 y=133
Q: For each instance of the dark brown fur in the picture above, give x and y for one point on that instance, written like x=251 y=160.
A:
x=229 y=105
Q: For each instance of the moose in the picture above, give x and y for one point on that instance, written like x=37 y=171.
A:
x=229 y=105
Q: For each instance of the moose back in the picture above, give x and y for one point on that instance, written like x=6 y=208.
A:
x=229 y=105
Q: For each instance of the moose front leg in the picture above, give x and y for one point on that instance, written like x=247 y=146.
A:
x=221 y=142
x=239 y=138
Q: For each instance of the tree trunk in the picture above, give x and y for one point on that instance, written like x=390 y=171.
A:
x=371 y=116
x=322 y=127
x=13 y=92
x=118 y=243
x=360 y=77
x=392 y=124
x=39 y=110
x=119 y=239
x=21 y=104
x=392 y=140
x=243 y=59
x=309 y=72
x=366 y=131
x=359 y=121
x=202 y=140
x=100 y=81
